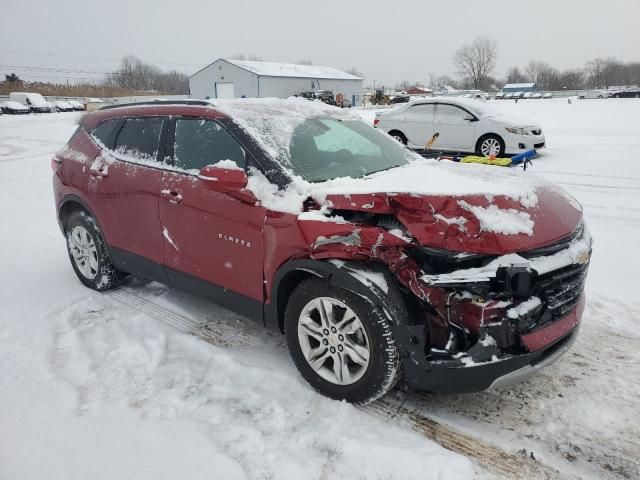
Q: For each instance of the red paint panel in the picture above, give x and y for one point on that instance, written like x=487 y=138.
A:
x=544 y=336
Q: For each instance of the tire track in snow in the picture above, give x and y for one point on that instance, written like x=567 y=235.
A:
x=489 y=457
x=180 y=322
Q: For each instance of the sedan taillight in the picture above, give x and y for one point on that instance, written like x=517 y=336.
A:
x=376 y=122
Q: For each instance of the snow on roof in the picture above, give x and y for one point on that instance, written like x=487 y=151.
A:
x=273 y=69
x=272 y=121
x=519 y=85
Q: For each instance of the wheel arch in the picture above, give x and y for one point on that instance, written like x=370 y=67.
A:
x=71 y=204
x=490 y=134
x=399 y=132
x=343 y=275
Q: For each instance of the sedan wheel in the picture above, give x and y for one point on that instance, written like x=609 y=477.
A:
x=491 y=146
x=333 y=341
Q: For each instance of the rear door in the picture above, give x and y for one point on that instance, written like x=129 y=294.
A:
x=124 y=187
x=211 y=239
x=418 y=124
x=456 y=131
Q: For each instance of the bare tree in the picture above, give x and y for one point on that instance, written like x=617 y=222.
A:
x=541 y=73
x=136 y=75
x=477 y=60
x=514 y=75
x=355 y=72
x=304 y=62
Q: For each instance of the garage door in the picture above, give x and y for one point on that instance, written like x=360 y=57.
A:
x=224 y=90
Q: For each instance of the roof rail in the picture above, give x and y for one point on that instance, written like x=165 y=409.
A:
x=158 y=102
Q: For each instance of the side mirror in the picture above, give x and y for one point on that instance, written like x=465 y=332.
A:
x=470 y=118
x=223 y=180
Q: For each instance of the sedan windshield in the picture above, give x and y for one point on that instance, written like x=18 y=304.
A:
x=325 y=148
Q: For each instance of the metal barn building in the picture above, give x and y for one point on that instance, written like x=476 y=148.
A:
x=227 y=78
x=519 y=87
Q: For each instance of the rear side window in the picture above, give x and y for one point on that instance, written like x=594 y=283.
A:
x=449 y=113
x=103 y=131
x=199 y=143
x=140 y=137
x=423 y=112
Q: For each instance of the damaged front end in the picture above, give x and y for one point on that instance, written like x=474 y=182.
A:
x=476 y=320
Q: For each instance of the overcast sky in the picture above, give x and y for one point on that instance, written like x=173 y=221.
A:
x=387 y=41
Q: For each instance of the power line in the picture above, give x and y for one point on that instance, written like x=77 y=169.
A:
x=84 y=57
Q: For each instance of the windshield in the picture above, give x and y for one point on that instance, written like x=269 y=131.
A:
x=325 y=148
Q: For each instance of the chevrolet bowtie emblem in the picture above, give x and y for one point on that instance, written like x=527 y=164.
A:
x=584 y=257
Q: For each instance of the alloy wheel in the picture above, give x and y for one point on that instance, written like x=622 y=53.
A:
x=490 y=146
x=333 y=341
x=84 y=251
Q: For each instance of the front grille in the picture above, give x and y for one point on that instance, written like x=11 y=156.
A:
x=560 y=290
x=538 y=145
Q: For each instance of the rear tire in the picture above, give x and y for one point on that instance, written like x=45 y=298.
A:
x=398 y=136
x=353 y=360
x=88 y=253
x=490 y=145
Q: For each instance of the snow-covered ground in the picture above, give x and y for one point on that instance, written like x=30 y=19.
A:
x=146 y=382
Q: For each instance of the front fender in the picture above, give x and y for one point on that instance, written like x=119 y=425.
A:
x=373 y=282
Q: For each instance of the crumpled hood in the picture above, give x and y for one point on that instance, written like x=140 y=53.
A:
x=497 y=222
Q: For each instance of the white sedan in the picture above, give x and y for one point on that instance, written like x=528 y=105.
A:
x=462 y=125
x=595 y=94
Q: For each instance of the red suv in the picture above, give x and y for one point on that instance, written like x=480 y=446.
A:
x=374 y=262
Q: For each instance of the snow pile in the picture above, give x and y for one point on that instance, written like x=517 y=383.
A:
x=498 y=220
x=261 y=418
x=228 y=164
x=524 y=308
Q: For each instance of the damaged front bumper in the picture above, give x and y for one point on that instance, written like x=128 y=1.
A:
x=492 y=326
x=460 y=374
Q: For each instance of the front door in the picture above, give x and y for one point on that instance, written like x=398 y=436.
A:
x=457 y=131
x=123 y=191
x=211 y=239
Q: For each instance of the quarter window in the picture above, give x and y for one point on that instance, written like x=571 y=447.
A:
x=140 y=137
x=199 y=143
x=103 y=132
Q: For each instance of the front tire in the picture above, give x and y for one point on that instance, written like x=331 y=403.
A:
x=340 y=343
x=88 y=253
x=489 y=145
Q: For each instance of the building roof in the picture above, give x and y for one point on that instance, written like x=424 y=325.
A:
x=273 y=69
x=418 y=90
x=519 y=85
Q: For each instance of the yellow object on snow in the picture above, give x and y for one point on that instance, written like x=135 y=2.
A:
x=500 y=162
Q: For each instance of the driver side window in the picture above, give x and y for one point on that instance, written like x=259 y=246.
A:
x=200 y=142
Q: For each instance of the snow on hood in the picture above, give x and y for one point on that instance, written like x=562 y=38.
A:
x=512 y=120
x=461 y=207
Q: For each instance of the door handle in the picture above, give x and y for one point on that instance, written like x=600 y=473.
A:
x=172 y=196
